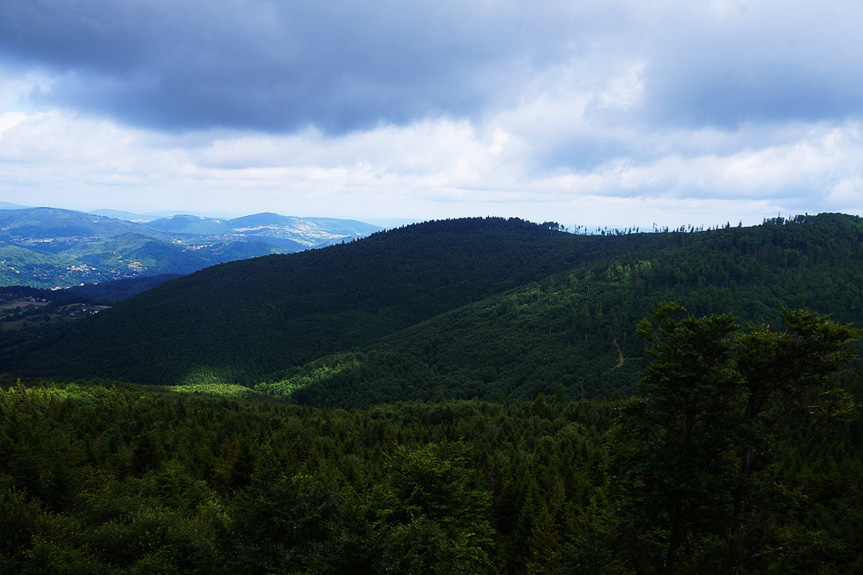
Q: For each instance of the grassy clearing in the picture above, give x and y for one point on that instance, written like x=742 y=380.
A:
x=221 y=389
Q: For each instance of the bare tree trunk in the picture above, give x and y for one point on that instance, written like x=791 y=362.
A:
x=674 y=540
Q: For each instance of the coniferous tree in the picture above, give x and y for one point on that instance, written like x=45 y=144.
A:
x=711 y=400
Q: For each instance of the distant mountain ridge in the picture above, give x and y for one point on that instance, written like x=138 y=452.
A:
x=128 y=216
x=284 y=231
x=189 y=224
x=44 y=224
x=47 y=247
x=10 y=206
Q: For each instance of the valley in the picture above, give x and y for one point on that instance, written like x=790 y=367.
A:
x=48 y=248
x=23 y=313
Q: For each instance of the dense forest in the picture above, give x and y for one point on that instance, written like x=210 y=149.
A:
x=577 y=327
x=484 y=308
x=114 y=478
x=465 y=396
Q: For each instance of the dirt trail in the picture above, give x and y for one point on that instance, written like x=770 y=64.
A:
x=620 y=359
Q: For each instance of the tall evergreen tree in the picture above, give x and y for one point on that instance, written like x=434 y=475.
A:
x=678 y=469
x=711 y=400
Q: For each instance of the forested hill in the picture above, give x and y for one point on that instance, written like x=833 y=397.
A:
x=575 y=331
x=248 y=320
x=457 y=308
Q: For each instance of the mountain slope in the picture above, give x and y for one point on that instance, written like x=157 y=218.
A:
x=248 y=319
x=127 y=216
x=577 y=329
x=465 y=308
x=8 y=206
x=186 y=224
x=47 y=225
x=46 y=247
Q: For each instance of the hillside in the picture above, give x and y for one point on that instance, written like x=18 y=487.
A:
x=55 y=226
x=463 y=308
x=753 y=437
x=576 y=329
x=246 y=320
x=48 y=247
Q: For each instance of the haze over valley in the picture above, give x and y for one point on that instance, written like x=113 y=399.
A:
x=48 y=247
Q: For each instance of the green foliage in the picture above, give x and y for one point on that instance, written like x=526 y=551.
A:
x=223 y=389
x=225 y=485
x=457 y=309
x=288 y=387
x=577 y=328
x=257 y=319
x=436 y=522
x=742 y=452
x=713 y=402
x=677 y=469
x=175 y=482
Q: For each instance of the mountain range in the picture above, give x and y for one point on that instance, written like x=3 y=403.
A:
x=487 y=308
x=49 y=247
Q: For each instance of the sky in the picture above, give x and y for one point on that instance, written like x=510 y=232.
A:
x=617 y=113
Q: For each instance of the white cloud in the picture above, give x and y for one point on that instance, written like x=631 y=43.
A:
x=425 y=170
x=9 y=120
x=848 y=193
x=625 y=91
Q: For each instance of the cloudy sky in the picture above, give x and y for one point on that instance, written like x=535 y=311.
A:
x=614 y=113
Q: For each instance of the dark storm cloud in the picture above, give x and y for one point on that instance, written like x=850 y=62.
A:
x=71 y=35
x=278 y=65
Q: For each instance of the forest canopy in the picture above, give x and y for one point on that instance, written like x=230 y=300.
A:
x=741 y=453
